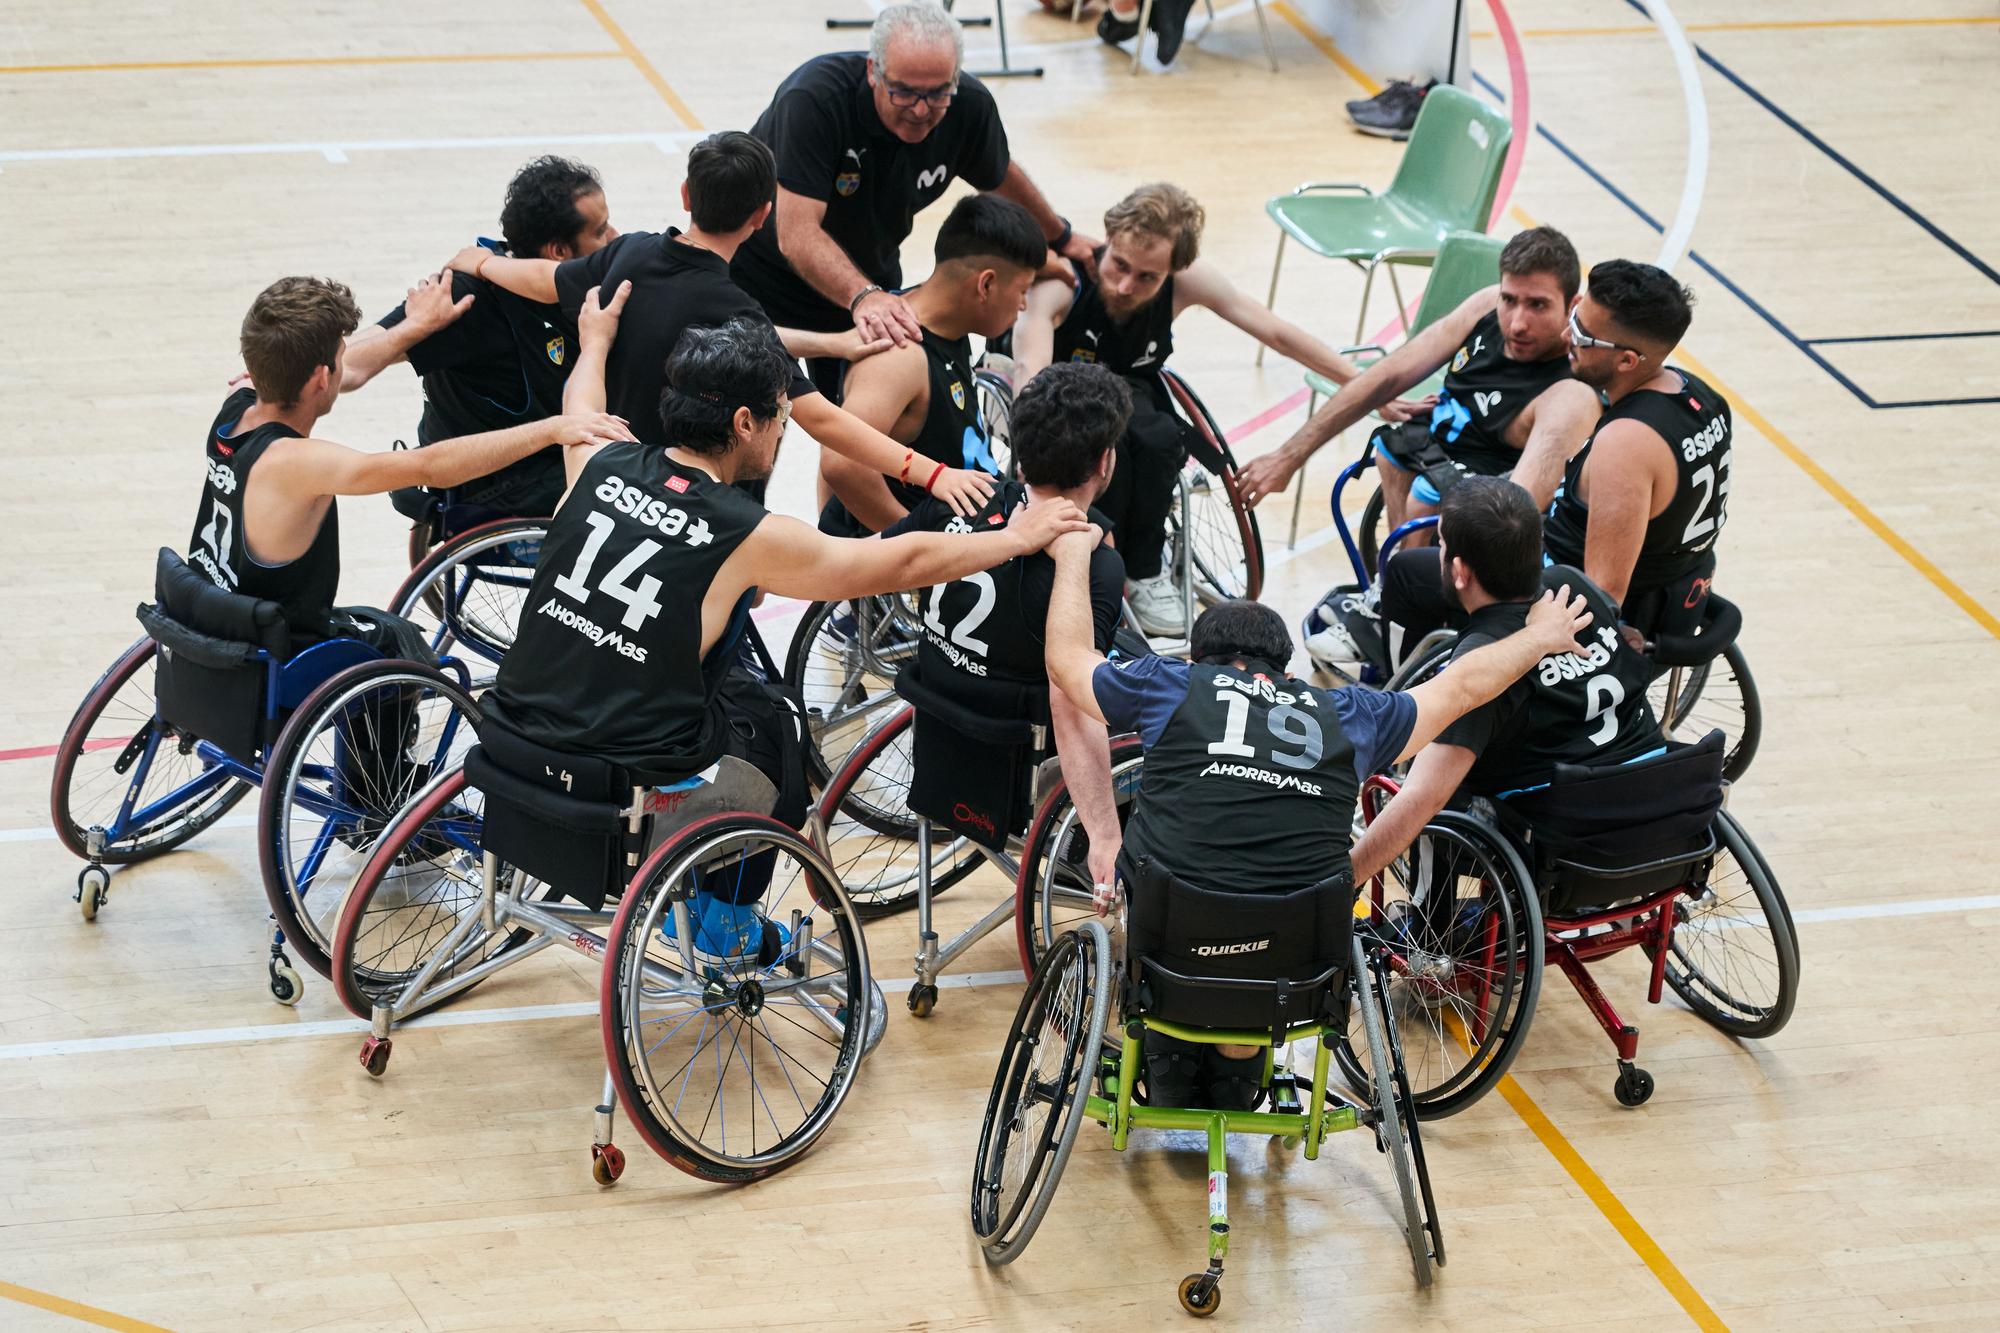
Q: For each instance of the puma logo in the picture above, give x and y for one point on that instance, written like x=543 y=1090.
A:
x=931 y=176
x=1486 y=402
x=855 y=153
x=1092 y=335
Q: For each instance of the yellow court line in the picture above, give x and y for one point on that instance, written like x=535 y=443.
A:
x=290 y=62
x=88 y=1314
x=1621 y=1219
x=1326 y=47
x=1771 y=25
x=645 y=66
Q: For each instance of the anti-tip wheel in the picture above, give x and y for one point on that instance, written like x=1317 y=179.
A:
x=1201 y=1295
x=1634 y=1086
x=607 y=1163
x=923 y=999
x=286 y=987
x=93 y=884
x=375 y=1056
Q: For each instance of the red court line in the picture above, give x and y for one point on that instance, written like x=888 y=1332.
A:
x=1517 y=104
x=44 y=751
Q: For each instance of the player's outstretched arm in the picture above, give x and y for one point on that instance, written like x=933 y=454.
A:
x=1018 y=186
x=1553 y=624
x=1084 y=744
x=1374 y=387
x=846 y=434
x=1629 y=463
x=878 y=393
x=849 y=345
x=584 y=392
x=787 y=557
x=307 y=469
x=1560 y=419
x=1071 y=651
x=534 y=279
x=1035 y=329
x=1433 y=777
x=427 y=308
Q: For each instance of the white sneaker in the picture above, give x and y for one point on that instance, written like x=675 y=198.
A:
x=1336 y=628
x=1158 y=606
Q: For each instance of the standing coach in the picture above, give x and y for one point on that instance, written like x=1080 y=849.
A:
x=863 y=143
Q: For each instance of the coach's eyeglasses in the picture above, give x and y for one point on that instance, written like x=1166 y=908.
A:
x=909 y=99
x=1579 y=338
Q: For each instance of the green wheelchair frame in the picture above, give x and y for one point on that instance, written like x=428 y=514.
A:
x=1074 y=983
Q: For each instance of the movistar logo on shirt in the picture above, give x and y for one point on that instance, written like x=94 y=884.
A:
x=931 y=176
x=1486 y=402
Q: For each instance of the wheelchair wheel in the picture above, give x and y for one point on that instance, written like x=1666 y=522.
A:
x=1693 y=701
x=123 y=772
x=996 y=408
x=418 y=894
x=1368 y=534
x=864 y=828
x=731 y=1067
x=352 y=754
x=1461 y=925
x=842 y=667
x=1373 y=1005
x=1734 y=957
x=1039 y=1090
x=468 y=594
x=1227 y=546
x=1053 y=896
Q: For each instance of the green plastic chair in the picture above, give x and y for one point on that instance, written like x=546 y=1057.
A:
x=1467 y=261
x=1446 y=183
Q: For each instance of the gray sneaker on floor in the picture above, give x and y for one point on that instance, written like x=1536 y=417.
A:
x=1391 y=113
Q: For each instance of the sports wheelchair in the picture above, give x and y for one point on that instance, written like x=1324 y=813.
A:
x=211 y=703
x=1272 y=971
x=1703 y=682
x=470 y=570
x=1601 y=860
x=963 y=774
x=735 y=1003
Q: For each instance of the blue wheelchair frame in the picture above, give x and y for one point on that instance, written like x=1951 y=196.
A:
x=503 y=567
x=1363 y=575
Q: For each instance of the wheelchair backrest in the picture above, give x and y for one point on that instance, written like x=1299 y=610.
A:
x=977 y=746
x=566 y=819
x=1600 y=835
x=1235 y=960
x=218 y=654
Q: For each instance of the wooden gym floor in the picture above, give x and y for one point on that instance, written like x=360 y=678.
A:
x=176 y=1149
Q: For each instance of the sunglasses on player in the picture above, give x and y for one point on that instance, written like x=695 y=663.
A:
x=1579 y=338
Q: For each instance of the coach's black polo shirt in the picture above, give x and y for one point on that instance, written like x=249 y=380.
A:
x=831 y=145
x=674 y=287
x=502 y=362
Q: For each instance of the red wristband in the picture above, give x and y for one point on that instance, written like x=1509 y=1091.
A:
x=934 y=476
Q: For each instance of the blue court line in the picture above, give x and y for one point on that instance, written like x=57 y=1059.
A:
x=1840 y=159
x=1804 y=345
x=1905 y=337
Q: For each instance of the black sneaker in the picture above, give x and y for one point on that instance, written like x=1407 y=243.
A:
x=1170 y=25
x=1392 y=112
x=1115 y=30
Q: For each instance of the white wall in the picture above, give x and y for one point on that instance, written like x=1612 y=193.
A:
x=1398 y=39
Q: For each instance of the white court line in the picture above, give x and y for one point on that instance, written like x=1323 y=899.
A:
x=352 y=1027
x=355 y=1027
x=47 y=834
x=337 y=150
x=1329 y=533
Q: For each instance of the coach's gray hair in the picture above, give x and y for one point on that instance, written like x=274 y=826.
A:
x=919 y=19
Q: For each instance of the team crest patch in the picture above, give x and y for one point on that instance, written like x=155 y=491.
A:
x=556 y=350
x=1083 y=354
x=846 y=183
x=1458 y=362
x=958 y=394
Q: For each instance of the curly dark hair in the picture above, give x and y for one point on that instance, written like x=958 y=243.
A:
x=1242 y=629
x=1065 y=420
x=541 y=204
x=713 y=371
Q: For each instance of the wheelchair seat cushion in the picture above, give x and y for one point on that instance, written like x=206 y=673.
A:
x=211 y=679
x=1235 y=960
x=189 y=598
x=976 y=746
x=560 y=817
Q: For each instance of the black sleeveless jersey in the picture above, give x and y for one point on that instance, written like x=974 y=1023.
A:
x=1252 y=778
x=952 y=432
x=992 y=624
x=607 y=660
x=304 y=587
x=1695 y=423
x=1139 y=346
x=1484 y=390
x=1571 y=708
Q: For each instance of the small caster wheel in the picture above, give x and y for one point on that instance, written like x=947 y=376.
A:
x=607 y=1163
x=375 y=1056
x=1634 y=1086
x=286 y=987
x=1201 y=1294
x=93 y=885
x=923 y=999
